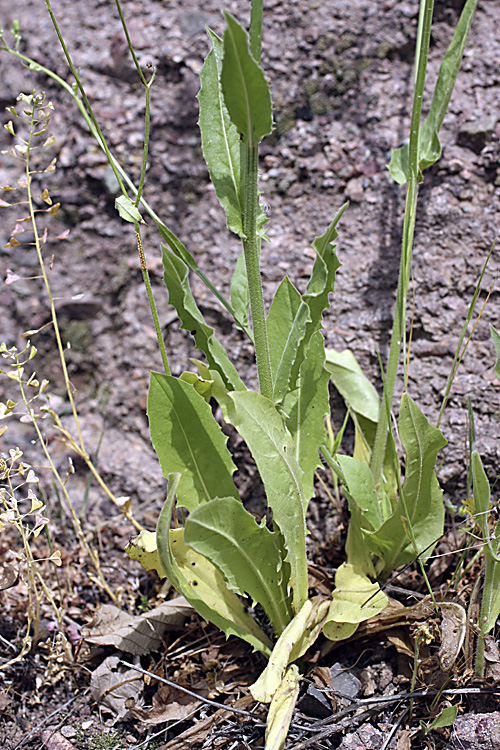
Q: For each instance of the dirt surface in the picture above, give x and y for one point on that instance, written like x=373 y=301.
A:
x=341 y=81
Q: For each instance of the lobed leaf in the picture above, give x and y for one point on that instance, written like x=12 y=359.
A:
x=188 y=440
x=261 y=426
x=201 y=583
x=180 y=296
x=245 y=553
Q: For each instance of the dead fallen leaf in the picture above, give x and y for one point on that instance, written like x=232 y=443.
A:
x=136 y=634
x=453 y=628
x=113 y=687
x=169 y=704
x=492 y=659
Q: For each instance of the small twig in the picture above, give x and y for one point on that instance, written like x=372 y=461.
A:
x=170 y=683
x=47 y=719
x=328 y=726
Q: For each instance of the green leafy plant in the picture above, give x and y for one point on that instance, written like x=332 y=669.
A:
x=221 y=553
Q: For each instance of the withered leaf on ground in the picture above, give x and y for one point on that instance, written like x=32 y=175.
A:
x=115 y=687
x=136 y=634
x=169 y=704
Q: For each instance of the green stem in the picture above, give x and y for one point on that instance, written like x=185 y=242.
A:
x=167 y=235
x=252 y=261
x=398 y=338
x=147 y=85
x=149 y=292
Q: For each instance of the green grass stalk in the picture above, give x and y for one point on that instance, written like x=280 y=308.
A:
x=398 y=338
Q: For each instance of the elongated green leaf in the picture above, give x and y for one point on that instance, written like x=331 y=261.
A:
x=429 y=150
x=490 y=604
x=361 y=489
x=240 y=296
x=188 y=440
x=355 y=599
x=306 y=409
x=422 y=509
x=261 y=426
x=246 y=92
x=201 y=583
x=286 y=327
x=429 y=146
x=482 y=507
x=352 y=384
x=322 y=280
x=180 y=251
x=220 y=138
x=245 y=553
x=180 y=296
x=496 y=342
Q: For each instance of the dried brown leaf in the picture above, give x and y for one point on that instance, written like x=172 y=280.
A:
x=136 y=634
x=115 y=687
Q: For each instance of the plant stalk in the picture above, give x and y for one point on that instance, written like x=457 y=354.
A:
x=398 y=338
x=251 y=250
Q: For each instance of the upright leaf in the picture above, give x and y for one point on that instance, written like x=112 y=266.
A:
x=180 y=296
x=286 y=326
x=322 y=280
x=261 y=426
x=180 y=251
x=245 y=553
x=188 y=440
x=429 y=149
x=201 y=583
x=308 y=406
x=352 y=384
x=496 y=343
x=417 y=521
x=220 y=138
x=246 y=92
x=240 y=296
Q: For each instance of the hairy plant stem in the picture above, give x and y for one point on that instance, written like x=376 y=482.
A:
x=398 y=338
x=251 y=249
x=149 y=292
